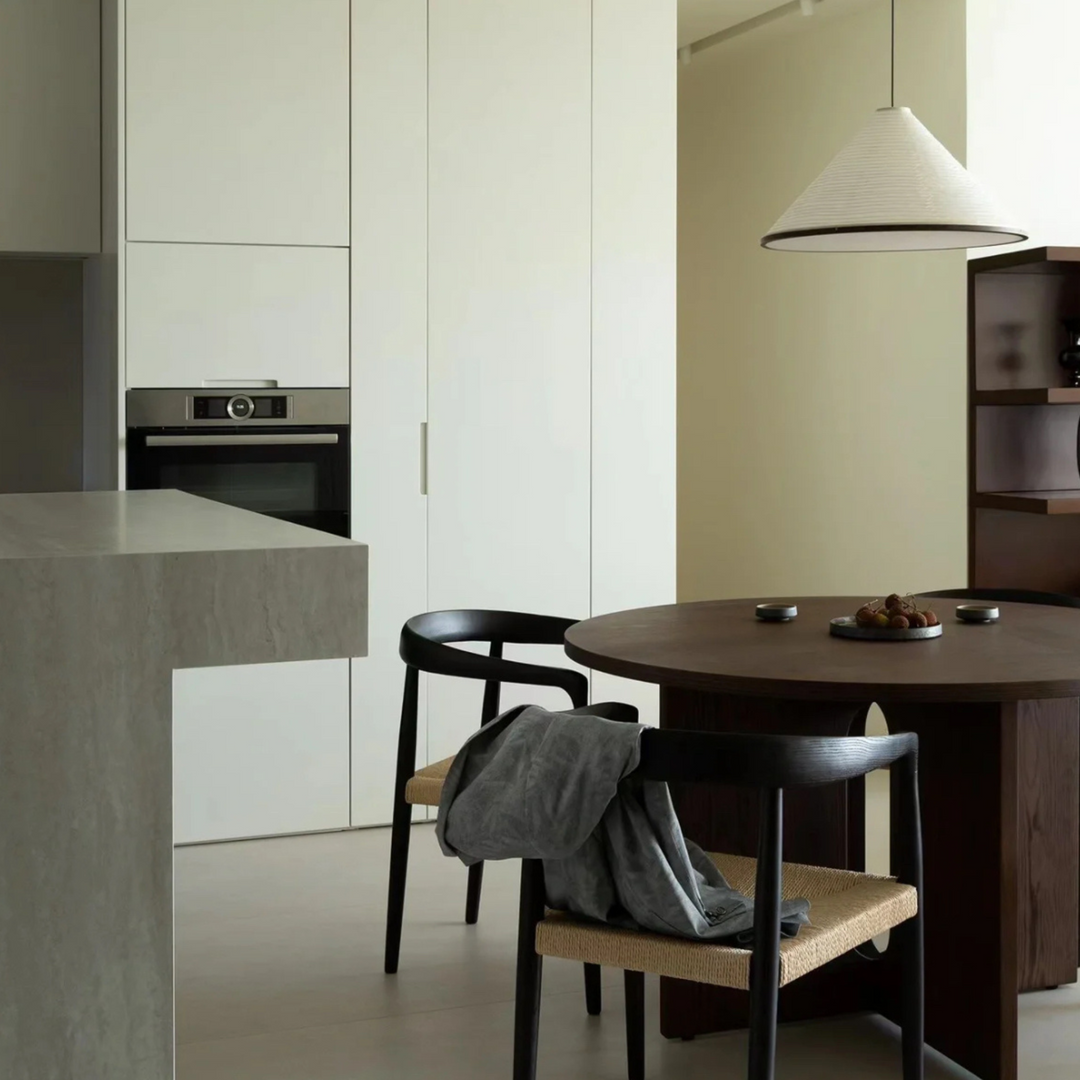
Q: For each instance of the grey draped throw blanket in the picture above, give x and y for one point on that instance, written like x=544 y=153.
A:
x=534 y=784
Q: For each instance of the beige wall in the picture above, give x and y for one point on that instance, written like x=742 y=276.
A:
x=40 y=375
x=821 y=397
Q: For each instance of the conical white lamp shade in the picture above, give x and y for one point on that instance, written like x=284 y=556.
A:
x=894 y=187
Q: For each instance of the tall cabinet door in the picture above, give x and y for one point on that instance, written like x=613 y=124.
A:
x=508 y=320
x=389 y=371
x=633 y=309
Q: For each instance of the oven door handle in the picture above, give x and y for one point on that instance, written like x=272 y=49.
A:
x=314 y=439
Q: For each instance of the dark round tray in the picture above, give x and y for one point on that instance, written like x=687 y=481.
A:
x=846 y=627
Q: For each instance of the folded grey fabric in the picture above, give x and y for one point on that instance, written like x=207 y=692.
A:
x=534 y=784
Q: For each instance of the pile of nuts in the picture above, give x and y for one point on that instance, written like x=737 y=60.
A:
x=894 y=613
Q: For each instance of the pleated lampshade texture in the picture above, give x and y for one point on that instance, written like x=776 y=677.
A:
x=894 y=187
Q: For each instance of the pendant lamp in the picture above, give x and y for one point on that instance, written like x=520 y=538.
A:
x=894 y=187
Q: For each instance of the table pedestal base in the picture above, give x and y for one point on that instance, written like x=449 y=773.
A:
x=1001 y=823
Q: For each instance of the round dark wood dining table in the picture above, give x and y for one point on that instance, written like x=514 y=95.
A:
x=997 y=711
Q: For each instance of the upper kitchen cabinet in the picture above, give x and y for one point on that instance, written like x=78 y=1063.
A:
x=237 y=121
x=50 y=179
x=228 y=314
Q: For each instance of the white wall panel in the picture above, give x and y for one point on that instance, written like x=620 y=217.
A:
x=1022 y=97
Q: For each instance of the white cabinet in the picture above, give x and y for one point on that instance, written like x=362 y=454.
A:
x=511 y=251
x=389 y=370
x=260 y=750
x=50 y=126
x=237 y=121
x=508 y=321
x=633 y=317
x=200 y=313
x=513 y=282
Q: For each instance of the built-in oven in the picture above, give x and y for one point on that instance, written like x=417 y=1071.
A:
x=279 y=452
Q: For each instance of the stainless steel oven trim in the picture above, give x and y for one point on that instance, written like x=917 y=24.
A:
x=314 y=439
x=175 y=408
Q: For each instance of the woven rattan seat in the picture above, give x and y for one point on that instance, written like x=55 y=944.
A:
x=846 y=910
x=425 y=786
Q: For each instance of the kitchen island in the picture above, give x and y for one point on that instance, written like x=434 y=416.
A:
x=102 y=596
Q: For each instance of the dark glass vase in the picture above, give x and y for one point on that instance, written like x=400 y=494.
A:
x=1069 y=357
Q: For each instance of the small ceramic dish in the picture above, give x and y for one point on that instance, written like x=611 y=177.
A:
x=776 y=612
x=978 y=613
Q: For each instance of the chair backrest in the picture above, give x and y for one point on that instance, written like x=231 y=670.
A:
x=771 y=763
x=426 y=645
x=766 y=761
x=1005 y=596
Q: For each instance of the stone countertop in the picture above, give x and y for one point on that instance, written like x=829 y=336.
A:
x=96 y=523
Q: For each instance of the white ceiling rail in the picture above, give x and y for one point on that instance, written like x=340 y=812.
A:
x=805 y=6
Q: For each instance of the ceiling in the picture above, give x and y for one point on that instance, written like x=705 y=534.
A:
x=699 y=18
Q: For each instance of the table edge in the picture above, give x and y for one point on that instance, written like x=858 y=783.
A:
x=808 y=690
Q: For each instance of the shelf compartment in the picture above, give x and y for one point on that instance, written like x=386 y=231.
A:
x=1031 y=502
x=1036 y=395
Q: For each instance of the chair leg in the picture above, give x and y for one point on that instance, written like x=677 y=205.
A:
x=395 y=901
x=593 y=994
x=910 y=935
x=763 y=1014
x=472 y=896
x=765 y=961
x=402 y=823
x=529 y=971
x=634 y=983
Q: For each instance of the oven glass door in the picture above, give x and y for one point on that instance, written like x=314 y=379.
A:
x=297 y=474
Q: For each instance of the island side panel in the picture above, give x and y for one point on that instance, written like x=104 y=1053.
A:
x=88 y=647
x=85 y=800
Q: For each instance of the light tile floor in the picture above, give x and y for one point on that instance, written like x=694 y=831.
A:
x=279 y=977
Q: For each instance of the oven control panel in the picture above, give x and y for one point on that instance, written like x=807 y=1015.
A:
x=241 y=407
x=236 y=406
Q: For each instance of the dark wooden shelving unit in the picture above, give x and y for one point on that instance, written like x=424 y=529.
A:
x=1038 y=395
x=1024 y=482
x=1031 y=502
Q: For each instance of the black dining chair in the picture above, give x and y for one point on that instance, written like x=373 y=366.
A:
x=1006 y=596
x=847 y=909
x=427 y=644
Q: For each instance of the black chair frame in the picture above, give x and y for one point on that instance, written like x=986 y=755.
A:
x=769 y=763
x=427 y=644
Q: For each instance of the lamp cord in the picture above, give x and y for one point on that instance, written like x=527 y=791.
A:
x=892 y=56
